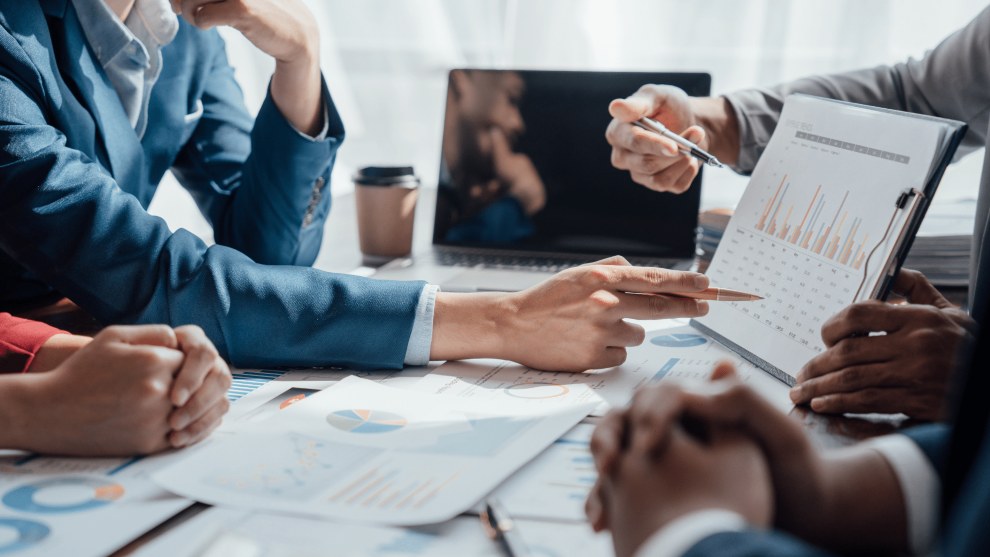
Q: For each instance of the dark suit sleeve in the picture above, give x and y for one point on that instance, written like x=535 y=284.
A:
x=950 y=81
x=263 y=186
x=752 y=543
x=933 y=440
x=64 y=218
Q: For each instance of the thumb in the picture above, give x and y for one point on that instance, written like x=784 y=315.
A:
x=916 y=288
x=154 y=335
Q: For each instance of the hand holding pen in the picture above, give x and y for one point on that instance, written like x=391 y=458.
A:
x=659 y=158
x=684 y=146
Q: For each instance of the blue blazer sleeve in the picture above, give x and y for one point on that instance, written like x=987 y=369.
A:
x=263 y=186
x=65 y=219
x=752 y=543
x=933 y=440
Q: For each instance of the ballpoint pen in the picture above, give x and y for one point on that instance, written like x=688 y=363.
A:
x=711 y=294
x=499 y=527
x=718 y=295
x=686 y=146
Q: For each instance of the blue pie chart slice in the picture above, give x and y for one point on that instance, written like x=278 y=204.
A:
x=365 y=421
x=27 y=533
x=679 y=340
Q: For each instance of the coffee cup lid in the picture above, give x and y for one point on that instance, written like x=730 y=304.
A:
x=386 y=176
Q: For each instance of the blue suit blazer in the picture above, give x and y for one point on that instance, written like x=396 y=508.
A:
x=75 y=182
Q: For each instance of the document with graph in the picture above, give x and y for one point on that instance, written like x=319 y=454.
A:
x=363 y=452
x=829 y=214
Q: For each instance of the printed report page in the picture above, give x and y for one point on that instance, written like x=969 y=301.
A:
x=810 y=233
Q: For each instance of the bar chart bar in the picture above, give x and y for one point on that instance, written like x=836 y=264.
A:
x=838 y=240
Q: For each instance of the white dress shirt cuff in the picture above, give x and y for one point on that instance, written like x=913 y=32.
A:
x=681 y=534
x=322 y=136
x=919 y=485
x=418 y=349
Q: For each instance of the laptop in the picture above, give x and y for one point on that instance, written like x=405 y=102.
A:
x=527 y=188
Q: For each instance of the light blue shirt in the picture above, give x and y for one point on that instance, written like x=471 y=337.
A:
x=130 y=53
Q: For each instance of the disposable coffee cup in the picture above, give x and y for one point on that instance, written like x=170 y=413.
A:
x=386 y=207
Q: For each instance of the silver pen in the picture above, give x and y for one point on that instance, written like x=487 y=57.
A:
x=686 y=146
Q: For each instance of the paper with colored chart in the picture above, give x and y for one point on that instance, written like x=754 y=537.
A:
x=679 y=353
x=821 y=224
x=360 y=451
x=554 y=485
x=78 y=507
x=225 y=532
x=94 y=506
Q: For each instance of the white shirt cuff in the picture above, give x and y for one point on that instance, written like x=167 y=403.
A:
x=418 y=349
x=920 y=487
x=322 y=136
x=681 y=534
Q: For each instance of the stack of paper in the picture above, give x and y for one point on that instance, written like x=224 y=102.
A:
x=943 y=259
x=942 y=249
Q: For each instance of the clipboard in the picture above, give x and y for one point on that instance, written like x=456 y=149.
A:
x=824 y=131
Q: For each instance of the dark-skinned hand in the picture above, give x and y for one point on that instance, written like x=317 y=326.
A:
x=888 y=358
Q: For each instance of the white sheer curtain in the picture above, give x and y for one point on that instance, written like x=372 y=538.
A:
x=386 y=60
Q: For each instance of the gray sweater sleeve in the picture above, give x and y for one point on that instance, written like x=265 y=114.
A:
x=952 y=81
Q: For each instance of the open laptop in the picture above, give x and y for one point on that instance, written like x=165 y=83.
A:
x=527 y=188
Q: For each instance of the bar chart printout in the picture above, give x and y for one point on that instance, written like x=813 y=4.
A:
x=810 y=233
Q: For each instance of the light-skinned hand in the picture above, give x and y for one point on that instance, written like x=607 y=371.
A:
x=199 y=392
x=285 y=30
x=652 y=160
x=576 y=320
x=130 y=390
x=108 y=399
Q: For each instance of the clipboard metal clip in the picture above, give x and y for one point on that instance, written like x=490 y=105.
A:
x=911 y=199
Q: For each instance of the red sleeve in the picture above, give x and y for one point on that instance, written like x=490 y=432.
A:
x=20 y=340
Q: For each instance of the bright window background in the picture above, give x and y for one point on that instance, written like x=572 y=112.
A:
x=386 y=61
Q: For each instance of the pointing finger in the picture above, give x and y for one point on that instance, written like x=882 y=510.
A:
x=647 y=280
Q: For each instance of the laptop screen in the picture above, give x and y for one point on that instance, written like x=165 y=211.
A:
x=525 y=166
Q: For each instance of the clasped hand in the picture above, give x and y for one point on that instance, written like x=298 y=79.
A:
x=131 y=390
x=672 y=452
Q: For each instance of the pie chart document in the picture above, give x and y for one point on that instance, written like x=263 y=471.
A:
x=363 y=452
x=83 y=507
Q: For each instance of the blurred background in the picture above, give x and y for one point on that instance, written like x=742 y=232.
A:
x=386 y=63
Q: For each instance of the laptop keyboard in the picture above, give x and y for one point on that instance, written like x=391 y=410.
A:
x=518 y=262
